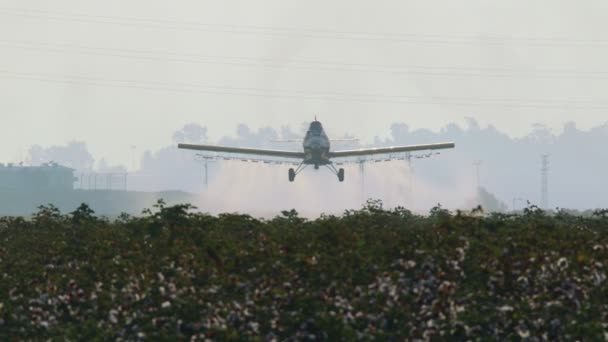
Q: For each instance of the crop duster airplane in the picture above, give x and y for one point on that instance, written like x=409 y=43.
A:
x=317 y=151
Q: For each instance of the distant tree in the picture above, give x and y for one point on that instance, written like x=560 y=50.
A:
x=246 y=137
x=75 y=155
x=243 y=131
x=541 y=133
x=103 y=166
x=191 y=133
x=287 y=133
x=472 y=123
x=489 y=202
x=399 y=131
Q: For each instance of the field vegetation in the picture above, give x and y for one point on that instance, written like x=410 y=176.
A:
x=174 y=273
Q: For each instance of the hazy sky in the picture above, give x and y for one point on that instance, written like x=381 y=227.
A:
x=122 y=73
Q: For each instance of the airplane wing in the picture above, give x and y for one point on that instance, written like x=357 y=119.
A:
x=302 y=139
x=388 y=150
x=238 y=150
x=345 y=139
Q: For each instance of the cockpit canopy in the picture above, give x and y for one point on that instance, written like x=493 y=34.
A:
x=315 y=128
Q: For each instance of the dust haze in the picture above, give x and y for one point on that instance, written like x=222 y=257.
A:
x=105 y=94
x=502 y=65
x=263 y=190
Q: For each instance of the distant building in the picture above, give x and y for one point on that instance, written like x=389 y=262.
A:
x=47 y=177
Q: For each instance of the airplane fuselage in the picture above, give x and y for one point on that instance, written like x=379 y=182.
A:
x=316 y=146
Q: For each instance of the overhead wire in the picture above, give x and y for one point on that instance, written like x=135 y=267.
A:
x=301 y=32
x=305 y=95
x=153 y=55
x=300 y=64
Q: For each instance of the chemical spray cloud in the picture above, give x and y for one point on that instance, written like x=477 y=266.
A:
x=263 y=190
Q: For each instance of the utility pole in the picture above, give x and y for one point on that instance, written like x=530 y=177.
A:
x=206 y=174
x=206 y=160
x=544 y=186
x=408 y=158
x=362 y=172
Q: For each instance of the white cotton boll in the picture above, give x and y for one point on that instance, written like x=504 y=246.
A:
x=112 y=316
x=505 y=308
x=562 y=263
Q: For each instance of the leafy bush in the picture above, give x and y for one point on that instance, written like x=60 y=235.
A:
x=368 y=274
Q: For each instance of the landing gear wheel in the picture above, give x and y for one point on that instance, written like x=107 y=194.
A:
x=292 y=175
x=341 y=175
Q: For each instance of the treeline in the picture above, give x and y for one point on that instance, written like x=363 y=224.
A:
x=174 y=273
x=510 y=170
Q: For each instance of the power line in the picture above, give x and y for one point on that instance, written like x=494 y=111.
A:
x=286 y=61
x=304 y=95
x=302 y=32
x=302 y=64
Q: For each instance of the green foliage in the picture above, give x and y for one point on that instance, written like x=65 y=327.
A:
x=369 y=274
x=83 y=214
x=47 y=215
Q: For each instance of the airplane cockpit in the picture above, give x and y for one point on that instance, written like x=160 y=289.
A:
x=315 y=128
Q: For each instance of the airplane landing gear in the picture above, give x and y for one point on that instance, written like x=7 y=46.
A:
x=339 y=173
x=292 y=175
